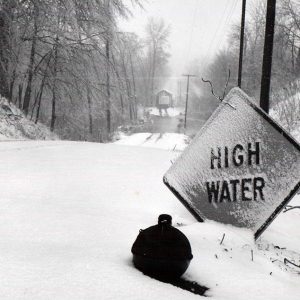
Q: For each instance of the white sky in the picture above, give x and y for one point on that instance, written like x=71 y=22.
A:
x=199 y=28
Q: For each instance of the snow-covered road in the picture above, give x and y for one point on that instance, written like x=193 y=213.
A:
x=70 y=211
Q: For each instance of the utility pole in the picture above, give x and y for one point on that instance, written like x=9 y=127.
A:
x=242 y=34
x=187 y=96
x=267 y=59
x=180 y=99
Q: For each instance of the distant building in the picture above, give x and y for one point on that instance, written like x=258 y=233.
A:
x=164 y=99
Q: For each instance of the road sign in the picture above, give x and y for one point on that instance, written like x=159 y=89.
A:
x=241 y=169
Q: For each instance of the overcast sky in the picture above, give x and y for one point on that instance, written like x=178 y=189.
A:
x=198 y=27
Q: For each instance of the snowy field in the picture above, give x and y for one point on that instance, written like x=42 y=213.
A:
x=71 y=211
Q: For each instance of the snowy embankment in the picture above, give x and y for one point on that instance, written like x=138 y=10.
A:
x=71 y=211
x=15 y=126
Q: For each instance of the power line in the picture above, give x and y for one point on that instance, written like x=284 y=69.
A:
x=220 y=26
x=215 y=33
x=192 y=31
x=228 y=18
x=186 y=52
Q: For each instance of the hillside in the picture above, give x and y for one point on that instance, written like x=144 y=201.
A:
x=15 y=126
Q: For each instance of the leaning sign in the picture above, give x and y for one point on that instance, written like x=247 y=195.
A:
x=241 y=169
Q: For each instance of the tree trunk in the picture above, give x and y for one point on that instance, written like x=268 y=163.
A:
x=41 y=91
x=128 y=89
x=120 y=85
x=297 y=64
x=108 y=104
x=11 y=86
x=107 y=54
x=6 y=14
x=20 y=92
x=27 y=95
x=36 y=96
x=122 y=104
x=39 y=103
x=153 y=74
x=134 y=88
x=90 y=111
x=293 y=54
x=54 y=91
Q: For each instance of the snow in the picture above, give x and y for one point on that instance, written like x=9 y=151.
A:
x=166 y=141
x=172 y=111
x=14 y=125
x=71 y=211
x=296 y=134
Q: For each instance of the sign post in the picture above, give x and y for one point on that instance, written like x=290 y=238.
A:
x=241 y=169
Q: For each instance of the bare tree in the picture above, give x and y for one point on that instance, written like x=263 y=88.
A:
x=157 y=41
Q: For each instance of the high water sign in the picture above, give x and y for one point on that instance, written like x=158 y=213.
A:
x=241 y=169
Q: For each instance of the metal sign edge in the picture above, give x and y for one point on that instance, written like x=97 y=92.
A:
x=267 y=117
x=276 y=126
x=288 y=137
x=183 y=201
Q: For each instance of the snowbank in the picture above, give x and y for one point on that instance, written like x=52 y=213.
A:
x=14 y=125
x=71 y=211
